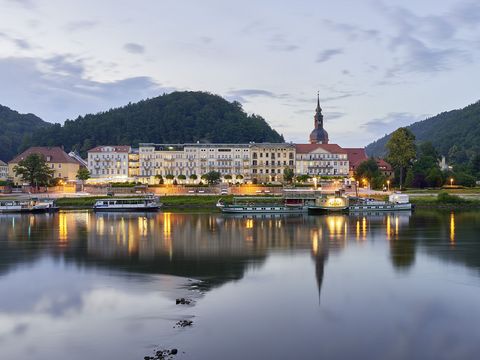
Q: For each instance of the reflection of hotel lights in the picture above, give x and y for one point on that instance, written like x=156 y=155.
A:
x=167 y=225
x=62 y=227
x=249 y=224
x=364 y=227
x=358 y=229
x=167 y=231
x=396 y=225
x=452 y=228
x=389 y=229
x=315 y=242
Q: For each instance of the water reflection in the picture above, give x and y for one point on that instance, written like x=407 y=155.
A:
x=221 y=250
x=218 y=247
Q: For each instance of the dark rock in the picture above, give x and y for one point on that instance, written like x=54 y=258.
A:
x=173 y=352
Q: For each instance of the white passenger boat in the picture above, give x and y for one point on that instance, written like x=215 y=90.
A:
x=239 y=206
x=396 y=202
x=32 y=205
x=147 y=203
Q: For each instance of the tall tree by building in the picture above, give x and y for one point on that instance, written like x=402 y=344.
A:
x=34 y=170
x=401 y=151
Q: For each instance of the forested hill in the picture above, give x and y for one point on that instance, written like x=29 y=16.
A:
x=178 y=117
x=14 y=129
x=455 y=134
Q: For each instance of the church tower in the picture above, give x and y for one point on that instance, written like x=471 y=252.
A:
x=318 y=135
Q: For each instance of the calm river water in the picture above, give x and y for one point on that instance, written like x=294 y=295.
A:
x=79 y=285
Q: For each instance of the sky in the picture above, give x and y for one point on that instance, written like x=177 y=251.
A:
x=377 y=65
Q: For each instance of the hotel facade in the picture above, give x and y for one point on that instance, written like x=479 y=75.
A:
x=243 y=163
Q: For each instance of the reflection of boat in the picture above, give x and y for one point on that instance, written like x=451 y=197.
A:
x=329 y=203
x=396 y=202
x=148 y=203
x=252 y=206
x=32 y=205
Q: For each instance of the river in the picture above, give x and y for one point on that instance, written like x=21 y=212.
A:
x=79 y=285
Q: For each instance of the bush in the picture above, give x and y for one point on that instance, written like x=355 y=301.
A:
x=446 y=198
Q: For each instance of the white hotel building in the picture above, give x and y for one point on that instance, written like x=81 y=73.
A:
x=109 y=163
x=321 y=160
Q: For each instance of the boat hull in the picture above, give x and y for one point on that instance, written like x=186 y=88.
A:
x=325 y=209
x=381 y=207
x=126 y=209
x=263 y=210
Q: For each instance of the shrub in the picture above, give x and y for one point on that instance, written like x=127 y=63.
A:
x=446 y=198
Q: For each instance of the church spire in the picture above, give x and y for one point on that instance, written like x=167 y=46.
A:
x=318 y=135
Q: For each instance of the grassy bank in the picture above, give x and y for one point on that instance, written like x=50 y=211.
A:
x=445 y=200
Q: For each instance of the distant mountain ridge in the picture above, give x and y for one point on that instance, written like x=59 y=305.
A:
x=179 y=117
x=451 y=132
x=15 y=131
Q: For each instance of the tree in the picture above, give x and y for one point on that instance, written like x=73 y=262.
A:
x=401 y=150
x=34 y=170
x=288 y=174
x=159 y=178
x=228 y=177
x=302 y=178
x=212 y=177
x=368 y=170
x=83 y=174
x=169 y=177
x=193 y=177
x=239 y=177
x=181 y=177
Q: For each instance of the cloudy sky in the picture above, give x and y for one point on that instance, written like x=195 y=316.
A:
x=377 y=64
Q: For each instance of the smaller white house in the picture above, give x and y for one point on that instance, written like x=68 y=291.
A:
x=110 y=163
x=321 y=160
x=3 y=171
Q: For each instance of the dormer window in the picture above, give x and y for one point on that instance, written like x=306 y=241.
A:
x=49 y=158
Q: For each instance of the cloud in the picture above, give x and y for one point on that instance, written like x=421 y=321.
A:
x=242 y=95
x=353 y=32
x=391 y=122
x=134 y=48
x=278 y=42
x=57 y=88
x=326 y=55
x=80 y=25
x=26 y=3
x=22 y=44
x=467 y=14
x=424 y=44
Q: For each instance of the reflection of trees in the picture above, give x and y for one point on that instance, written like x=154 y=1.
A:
x=222 y=248
x=402 y=253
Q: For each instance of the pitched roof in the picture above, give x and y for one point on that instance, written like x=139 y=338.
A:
x=383 y=165
x=56 y=154
x=120 y=148
x=2 y=163
x=308 y=148
x=356 y=156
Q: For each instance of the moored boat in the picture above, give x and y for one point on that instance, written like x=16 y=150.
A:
x=254 y=207
x=396 y=202
x=33 y=205
x=147 y=203
x=329 y=203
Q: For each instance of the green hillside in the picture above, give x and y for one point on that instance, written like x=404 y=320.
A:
x=455 y=134
x=15 y=128
x=178 y=117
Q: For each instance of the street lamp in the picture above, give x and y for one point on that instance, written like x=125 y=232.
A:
x=451 y=181
x=364 y=182
x=388 y=185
